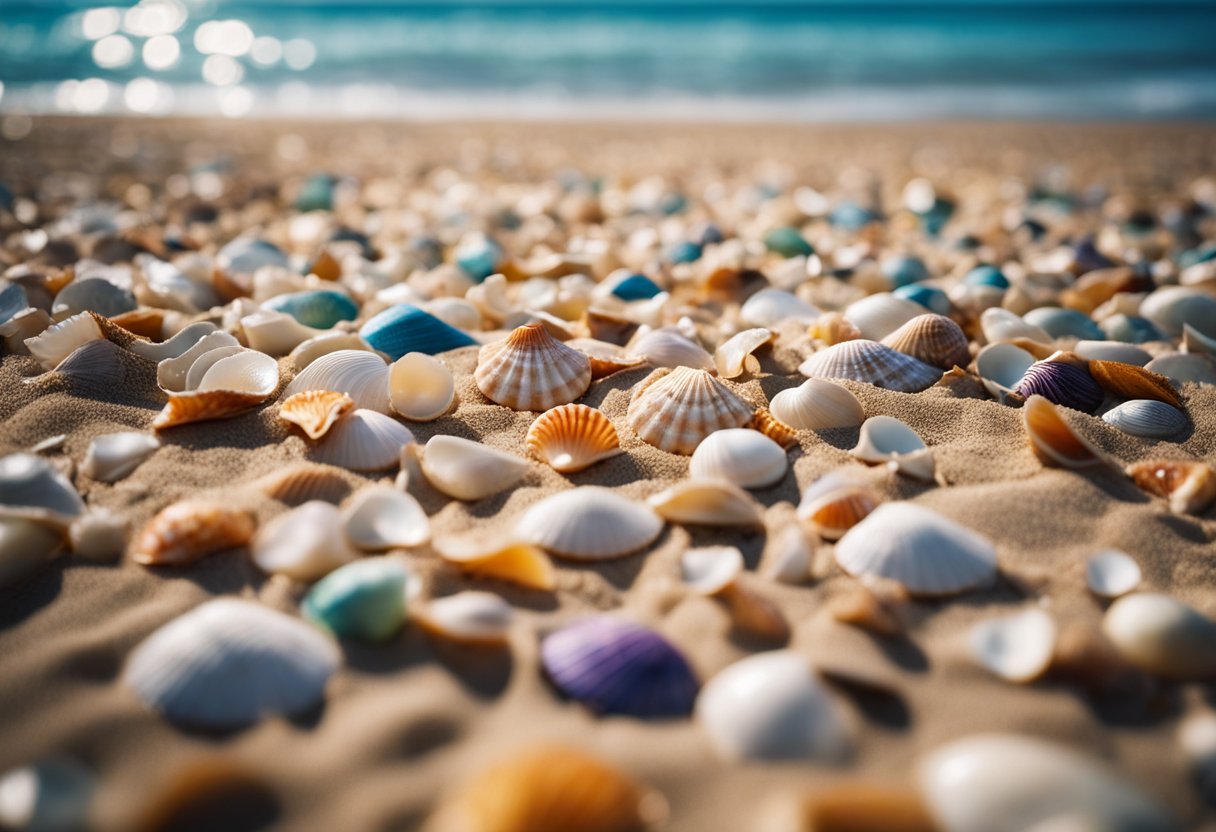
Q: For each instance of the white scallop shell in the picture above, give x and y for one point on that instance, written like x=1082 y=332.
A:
x=194 y=376
x=1182 y=367
x=817 y=404
x=363 y=440
x=380 y=517
x=1112 y=351
x=1111 y=573
x=790 y=559
x=95 y=363
x=1001 y=367
x=708 y=503
x=1016 y=647
x=771 y=306
x=305 y=543
x=877 y=316
x=60 y=340
x=361 y=375
x=669 y=348
x=275 y=333
x=469 y=617
x=919 y=549
x=710 y=569
x=309 y=351
x=745 y=457
x=734 y=357
x=589 y=523
x=469 y=470
x=420 y=387
x=175 y=346
x=228 y=663
x=1163 y=636
x=171 y=373
x=887 y=440
x=112 y=456
x=1002 y=325
x=1146 y=417
x=872 y=363
x=676 y=409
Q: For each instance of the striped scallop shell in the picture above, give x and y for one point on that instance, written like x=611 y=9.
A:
x=305 y=481
x=589 y=523
x=572 y=437
x=934 y=339
x=872 y=363
x=315 y=411
x=1053 y=441
x=362 y=375
x=1062 y=379
x=363 y=440
x=95 y=364
x=531 y=370
x=675 y=409
x=191 y=529
x=1146 y=417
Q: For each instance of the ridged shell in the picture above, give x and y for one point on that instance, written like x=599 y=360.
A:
x=1189 y=486
x=185 y=408
x=420 y=387
x=669 y=348
x=531 y=370
x=614 y=666
x=309 y=351
x=478 y=618
x=31 y=488
x=1016 y=647
x=318 y=308
x=97 y=365
x=112 y=456
x=1181 y=368
x=734 y=357
x=1131 y=382
x=1146 y=417
x=744 y=457
x=925 y=553
x=364 y=600
x=872 y=363
x=934 y=339
x=469 y=470
x=708 y=503
x=381 y=517
x=304 y=481
x=1001 y=325
x=817 y=405
x=589 y=523
x=1062 y=379
x=230 y=663
x=886 y=440
x=764 y=422
x=189 y=530
x=1163 y=636
x=1001 y=367
x=675 y=409
x=315 y=411
x=1111 y=573
x=60 y=340
x=305 y=543
x=572 y=437
x=1053 y=441
x=363 y=440
x=172 y=372
x=405 y=328
x=483 y=556
x=362 y=375
x=835 y=503
x=878 y=315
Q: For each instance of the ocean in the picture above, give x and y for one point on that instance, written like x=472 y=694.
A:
x=822 y=61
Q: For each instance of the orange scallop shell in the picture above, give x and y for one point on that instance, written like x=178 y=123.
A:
x=841 y=512
x=315 y=411
x=305 y=481
x=189 y=530
x=572 y=437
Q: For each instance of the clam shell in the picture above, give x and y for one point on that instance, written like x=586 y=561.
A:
x=589 y=523
x=1163 y=636
x=363 y=600
x=1132 y=382
x=315 y=411
x=835 y=503
x=52 y=794
x=789 y=561
x=886 y=440
x=483 y=556
x=708 y=503
x=31 y=488
x=175 y=346
x=172 y=372
x=1190 y=487
x=185 y=408
x=1053 y=441
x=999 y=325
x=363 y=440
x=872 y=363
x=675 y=409
x=572 y=437
x=60 y=340
x=361 y=375
x=420 y=387
x=771 y=706
x=1062 y=379
x=1173 y=307
x=1111 y=573
x=98 y=535
x=933 y=339
x=734 y=357
x=405 y=328
x=318 y=308
x=275 y=333
x=1064 y=323
x=1181 y=368
x=614 y=666
x=711 y=569
x=380 y=517
x=764 y=422
x=309 y=351
x=1093 y=351
x=96 y=365
x=668 y=348
x=304 y=481
x=531 y=370
x=605 y=358
x=925 y=553
x=26 y=546
x=112 y=456
x=744 y=457
x=1016 y=647
x=229 y=663
x=304 y=543
x=248 y=372
x=817 y=405
x=93 y=294
x=769 y=307
x=878 y=315
x=1146 y=417
x=469 y=470
x=480 y=618
x=1001 y=367
x=188 y=530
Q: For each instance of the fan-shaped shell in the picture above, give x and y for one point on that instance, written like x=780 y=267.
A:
x=1062 y=379
x=1163 y=636
x=734 y=357
x=1131 y=382
x=669 y=348
x=229 y=663
x=95 y=364
x=886 y=440
x=589 y=523
x=60 y=340
x=872 y=363
x=1146 y=417
x=172 y=372
x=486 y=556
x=1064 y=323
x=933 y=339
x=572 y=437
x=1111 y=573
x=405 y=328
x=675 y=409
x=380 y=517
x=481 y=618
x=309 y=351
x=1189 y=486
x=1016 y=647
x=315 y=411
x=927 y=554
x=364 y=600
x=420 y=387
x=363 y=440
x=531 y=370
x=112 y=456
x=1001 y=367
x=877 y=316
x=31 y=488
x=93 y=294
x=304 y=481
x=835 y=503
x=361 y=375
x=744 y=457
x=469 y=470
x=817 y=405
x=304 y=543
x=708 y=503
x=1053 y=441
x=189 y=530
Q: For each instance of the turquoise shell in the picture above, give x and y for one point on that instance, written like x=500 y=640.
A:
x=904 y=269
x=363 y=600
x=636 y=287
x=319 y=309
x=930 y=297
x=406 y=328
x=935 y=219
x=317 y=194
x=788 y=242
x=1131 y=330
x=684 y=252
x=985 y=275
x=478 y=257
x=851 y=216
x=1065 y=323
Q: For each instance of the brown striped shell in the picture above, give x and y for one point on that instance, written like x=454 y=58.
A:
x=772 y=427
x=315 y=411
x=674 y=409
x=189 y=530
x=572 y=437
x=531 y=370
x=934 y=339
x=303 y=482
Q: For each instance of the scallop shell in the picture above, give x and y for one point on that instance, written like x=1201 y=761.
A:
x=1053 y=441
x=708 y=503
x=98 y=535
x=172 y=372
x=306 y=352
x=420 y=387
x=880 y=314
x=304 y=481
x=363 y=600
x=189 y=530
x=60 y=340
x=363 y=440
x=605 y=358
x=304 y=543
x=483 y=556
x=112 y=456
x=1016 y=647
x=1173 y=307
x=1001 y=367
x=744 y=457
x=572 y=437
x=315 y=411
x=1146 y=417
x=362 y=375
x=589 y=523
x=1132 y=382
x=886 y=440
x=275 y=333
x=817 y=405
x=1163 y=636
x=669 y=348
x=469 y=470
x=675 y=409
x=531 y=370
x=999 y=325
x=229 y=663
x=771 y=706
x=614 y=666
x=380 y=517
x=52 y=794
x=925 y=553
x=790 y=559
x=872 y=363
x=96 y=365
x=32 y=489
x=479 y=618
x=1062 y=379
x=711 y=569
x=933 y=339
x=1190 y=487
x=764 y=422
x=1111 y=573
x=1181 y=368
x=185 y=408
x=835 y=503
x=769 y=307
x=734 y=357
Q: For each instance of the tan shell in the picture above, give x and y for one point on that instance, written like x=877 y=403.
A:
x=772 y=427
x=1131 y=382
x=145 y=322
x=531 y=370
x=189 y=530
x=485 y=556
x=1190 y=486
x=605 y=358
x=420 y=387
x=315 y=411
x=852 y=807
x=934 y=339
x=832 y=328
x=674 y=409
x=755 y=614
x=1053 y=441
x=572 y=437
x=302 y=482
x=185 y=408
x=708 y=503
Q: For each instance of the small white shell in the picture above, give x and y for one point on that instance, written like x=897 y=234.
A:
x=469 y=470
x=171 y=373
x=771 y=306
x=420 y=387
x=711 y=569
x=194 y=376
x=669 y=348
x=455 y=312
x=745 y=457
x=589 y=523
x=734 y=357
x=361 y=375
x=877 y=316
x=468 y=617
x=363 y=440
x=175 y=346
x=1146 y=417
x=33 y=489
x=1111 y=573
x=1112 y=351
x=1182 y=367
x=248 y=371
x=1002 y=325
x=790 y=560
x=60 y=340
x=275 y=333
x=305 y=543
x=708 y=503
x=817 y=404
x=112 y=456
x=885 y=439
x=1163 y=636
x=380 y=517
x=1173 y=307
x=1001 y=366
x=1016 y=647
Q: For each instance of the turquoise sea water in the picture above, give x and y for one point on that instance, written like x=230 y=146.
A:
x=788 y=61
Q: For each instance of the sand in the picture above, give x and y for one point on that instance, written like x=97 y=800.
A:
x=407 y=722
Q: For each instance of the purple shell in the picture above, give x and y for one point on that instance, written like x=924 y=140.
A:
x=617 y=667
x=1063 y=383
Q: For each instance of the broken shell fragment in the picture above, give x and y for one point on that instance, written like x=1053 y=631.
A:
x=469 y=470
x=734 y=357
x=1053 y=441
x=380 y=517
x=835 y=503
x=1189 y=486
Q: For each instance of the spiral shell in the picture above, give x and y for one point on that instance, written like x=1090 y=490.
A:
x=531 y=370
x=572 y=437
x=675 y=409
x=1062 y=379
x=1189 y=486
x=189 y=530
x=872 y=363
x=934 y=339
x=315 y=411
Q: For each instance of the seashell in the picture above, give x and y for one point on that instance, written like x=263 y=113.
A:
x=605 y=358
x=1010 y=783
x=708 y=503
x=194 y=376
x=317 y=309
x=933 y=339
x=531 y=370
x=744 y=457
x=96 y=365
x=304 y=481
x=1062 y=379
x=1194 y=341
x=572 y=437
x=769 y=307
x=925 y=553
x=904 y=269
x=1000 y=325
x=1016 y=647
x=519 y=563
x=668 y=348
x=275 y=333
x=930 y=297
x=52 y=794
x=1058 y=322
x=734 y=357
x=175 y=346
x=12 y=300
x=1173 y=307
x=26 y=546
x=589 y=523
x=886 y=440
x=26 y=324
x=1053 y=441
x=315 y=411
x=872 y=363
x=363 y=440
x=1146 y=417
x=188 y=530
x=405 y=328
x=1181 y=368
x=832 y=328
x=33 y=489
x=1111 y=351
x=817 y=405
x=633 y=287
x=1111 y=573
x=771 y=706
x=765 y=423
x=420 y=387
x=455 y=312
x=986 y=274
x=171 y=373
x=185 y=408
x=614 y=666
x=245 y=255
x=469 y=470
x=381 y=517
x=60 y=340
x=93 y=294
x=848 y=807
x=1163 y=636
x=229 y=663
x=1131 y=382
x=363 y=600
x=1190 y=487
x=306 y=352
x=1197 y=740
x=859 y=607
x=877 y=316
x=675 y=409
x=477 y=618
x=790 y=558
x=112 y=456
x=787 y=241
x=711 y=569
x=362 y=375
x=249 y=372
x=98 y=535
x=835 y=503
x=1126 y=326
x=304 y=543
x=1001 y=367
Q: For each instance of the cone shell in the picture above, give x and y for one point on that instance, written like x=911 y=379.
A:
x=315 y=411
x=589 y=523
x=483 y=556
x=817 y=404
x=1053 y=441
x=572 y=437
x=934 y=339
x=476 y=618
x=708 y=503
x=304 y=481
x=1062 y=379
x=469 y=470
x=1189 y=486
x=1131 y=382
x=675 y=409
x=420 y=387
x=531 y=370
x=189 y=530
x=362 y=375
x=184 y=408
x=835 y=503
x=872 y=363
